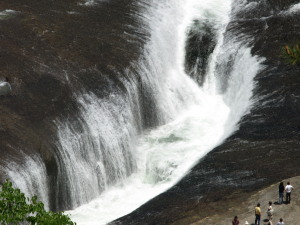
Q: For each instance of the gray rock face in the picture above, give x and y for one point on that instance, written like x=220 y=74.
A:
x=200 y=44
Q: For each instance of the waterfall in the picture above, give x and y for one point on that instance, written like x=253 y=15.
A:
x=131 y=145
x=98 y=148
x=190 y=120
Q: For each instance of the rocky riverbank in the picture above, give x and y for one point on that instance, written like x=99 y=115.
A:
x=244 y=206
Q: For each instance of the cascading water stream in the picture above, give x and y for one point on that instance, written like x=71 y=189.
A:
x=108 y=166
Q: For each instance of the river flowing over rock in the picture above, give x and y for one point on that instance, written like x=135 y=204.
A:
x=144 y=110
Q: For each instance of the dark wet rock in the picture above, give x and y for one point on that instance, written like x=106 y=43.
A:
x=200 y=43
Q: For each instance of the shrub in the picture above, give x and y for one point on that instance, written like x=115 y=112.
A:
x=292 y=54
x=15 y=208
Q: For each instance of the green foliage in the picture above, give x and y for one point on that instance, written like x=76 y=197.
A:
x=292 y=54
x=15 y=208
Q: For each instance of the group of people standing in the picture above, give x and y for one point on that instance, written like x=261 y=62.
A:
x=287 y=189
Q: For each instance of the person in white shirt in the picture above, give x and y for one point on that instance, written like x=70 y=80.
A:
x=270 y=211
x=288 y=190
x=280 y=222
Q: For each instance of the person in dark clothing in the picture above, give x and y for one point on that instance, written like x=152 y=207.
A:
x=281 y=192
x=235 y=221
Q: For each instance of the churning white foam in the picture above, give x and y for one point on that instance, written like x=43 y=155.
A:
x=294 y=9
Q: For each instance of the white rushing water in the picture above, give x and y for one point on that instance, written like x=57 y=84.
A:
x=30 y=177
x=294 y=9
x=195 y=119
x=107 y=165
